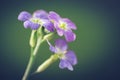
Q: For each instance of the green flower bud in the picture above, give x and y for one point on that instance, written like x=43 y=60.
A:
x=48 y=36
x=47 y=63
x=33 y=38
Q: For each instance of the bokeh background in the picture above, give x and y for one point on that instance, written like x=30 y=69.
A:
x=97 y=44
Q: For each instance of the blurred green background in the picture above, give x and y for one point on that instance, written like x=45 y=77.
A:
x=97 y=44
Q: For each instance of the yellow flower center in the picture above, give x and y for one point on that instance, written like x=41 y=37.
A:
x=36 y=20
x=63 y=26
x=52 y=21
x=61 y=54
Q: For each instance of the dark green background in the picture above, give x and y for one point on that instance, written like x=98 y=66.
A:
x=97 y=44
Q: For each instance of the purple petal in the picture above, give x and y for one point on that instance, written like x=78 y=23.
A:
x=23 y=16
x=70 y=23
x=59 y=32
x=61 y=44
x=54 y=16
x=53 y=49
x=48 y=25
x=29 y=24
x=71 y=57
x=69 y=36
x=40 y=14
x=65 y=64
x=34 y=26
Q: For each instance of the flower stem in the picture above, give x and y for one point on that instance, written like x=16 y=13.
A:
x=32 y=58
x=29 y=66
x=39 y=41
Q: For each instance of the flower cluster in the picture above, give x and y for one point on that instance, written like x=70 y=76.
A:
x=41 y=21
x=38 y=19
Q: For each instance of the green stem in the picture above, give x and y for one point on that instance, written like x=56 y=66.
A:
x=32 y=58
x=29 y=66
x=39 y=41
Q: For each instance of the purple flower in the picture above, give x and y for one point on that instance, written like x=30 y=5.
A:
x=63 y=26
x=39 y=18
x=67 y=57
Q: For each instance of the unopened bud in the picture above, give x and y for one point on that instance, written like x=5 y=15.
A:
x=33 y=38
x=48 y=36
x=47 y=63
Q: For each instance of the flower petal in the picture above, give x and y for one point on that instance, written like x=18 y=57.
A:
x=65 y=64
x=27 y=24
x=69 y=36
x=34 y=26
x=53 y=49
x=40 y=14
x=70 y=23
x=59 y=32
x=54 y=16
x=71 y=57
x=23 y=16
x=48 y=25
x=61 y=44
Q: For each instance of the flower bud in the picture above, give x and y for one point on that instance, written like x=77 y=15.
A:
x=33 y=38
x=48 y=36
x=47 y=63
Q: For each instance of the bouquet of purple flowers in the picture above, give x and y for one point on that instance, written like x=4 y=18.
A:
x=45 y=25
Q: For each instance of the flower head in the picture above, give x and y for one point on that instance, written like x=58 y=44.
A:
x=67 y=57
x=63 y=26
x=39 y=18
